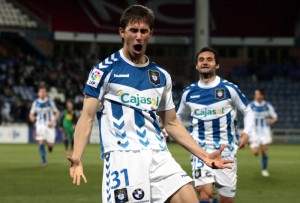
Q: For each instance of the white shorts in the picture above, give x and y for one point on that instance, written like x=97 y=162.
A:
x=257 y=140
x=45 y=133
x=224 y=179
x=141 y=176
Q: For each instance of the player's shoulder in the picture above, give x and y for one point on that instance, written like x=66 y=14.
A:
x=191 y=87
x=35 y=102
x=108 y=63
x=156 y=67
x=157 y=73
x=268 y=104
x=231 y=87
x=50 y=100
x=252 y=104
x=226 y=83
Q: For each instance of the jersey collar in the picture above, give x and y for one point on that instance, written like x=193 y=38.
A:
x=259 y=104
x=133 y=64
x=42 y=101
x=210 y=84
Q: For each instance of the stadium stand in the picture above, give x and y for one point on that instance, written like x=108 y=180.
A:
x=281 y=83
x=11 y=16
x=69 y=16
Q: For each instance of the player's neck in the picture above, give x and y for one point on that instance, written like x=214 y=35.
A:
x=135 y=59
x=260 y=101
x=207 y=78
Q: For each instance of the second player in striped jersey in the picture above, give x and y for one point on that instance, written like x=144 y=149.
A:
x=210 y=105
x=45 y=114
x=265 y=116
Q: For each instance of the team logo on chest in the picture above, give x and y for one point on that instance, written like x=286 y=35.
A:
x=154 y=77
x=220 y=94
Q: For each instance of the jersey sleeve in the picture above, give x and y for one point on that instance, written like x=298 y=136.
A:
x=33 y=109
x=272 y=112
x=183 y=110
x=241 y=103
x=96 y=82
x=53 y=106
x=166 y=102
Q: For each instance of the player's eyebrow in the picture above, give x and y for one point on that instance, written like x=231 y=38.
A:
x=207 y=58
x=142 y=30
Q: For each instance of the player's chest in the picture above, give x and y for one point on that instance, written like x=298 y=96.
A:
x=211 y=111
x=140 y=79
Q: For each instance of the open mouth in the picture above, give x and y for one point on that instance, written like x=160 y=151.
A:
x=138 y=47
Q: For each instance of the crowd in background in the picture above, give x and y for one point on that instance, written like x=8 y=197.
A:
x=65 y=78
x=21 y=75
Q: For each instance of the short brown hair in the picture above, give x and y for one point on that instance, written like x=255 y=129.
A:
x=261 y=91
x=209 y=50
x=137 y=13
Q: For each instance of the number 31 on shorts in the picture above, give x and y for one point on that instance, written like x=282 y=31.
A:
x=119 y=176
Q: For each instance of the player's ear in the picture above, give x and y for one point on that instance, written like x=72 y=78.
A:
x=151 y=32
x=218 y=66
x=121 y=32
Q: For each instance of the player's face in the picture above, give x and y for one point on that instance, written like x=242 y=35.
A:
x=69 y=105
x=206 y=63
x=136 y=36
x=258 y=96
x=42 y=93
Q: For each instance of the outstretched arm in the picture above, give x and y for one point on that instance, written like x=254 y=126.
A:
x=175 y=129
x=82 y=133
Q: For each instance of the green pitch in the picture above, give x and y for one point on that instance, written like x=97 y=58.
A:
x=23 y=180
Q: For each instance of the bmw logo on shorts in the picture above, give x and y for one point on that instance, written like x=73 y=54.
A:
x=138 y=194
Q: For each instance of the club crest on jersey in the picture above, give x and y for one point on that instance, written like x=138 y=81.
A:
x=154 y=77
x=220 y=94
x=121 y=195
x=138 y=194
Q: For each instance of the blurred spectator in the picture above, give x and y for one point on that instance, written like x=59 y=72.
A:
x=5 y=112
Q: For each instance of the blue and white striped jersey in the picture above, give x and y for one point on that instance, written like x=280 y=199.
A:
x=44 y=110
x=130 y=95
x=211 y=110
x=262 y=112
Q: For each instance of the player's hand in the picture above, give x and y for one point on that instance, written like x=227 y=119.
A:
x=215 y=160
x=76 y=171
x=243 y=140
x=271 y=121
x=164 y=133
x=32 y=119
x=51 y=124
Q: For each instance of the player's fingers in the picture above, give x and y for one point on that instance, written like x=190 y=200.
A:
x=243 y=144
x=78 y=180
x=74 y=179
x=228 y=161
x=227 y=166
x=222 y=147
x=71 y=172
x=84 y=178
